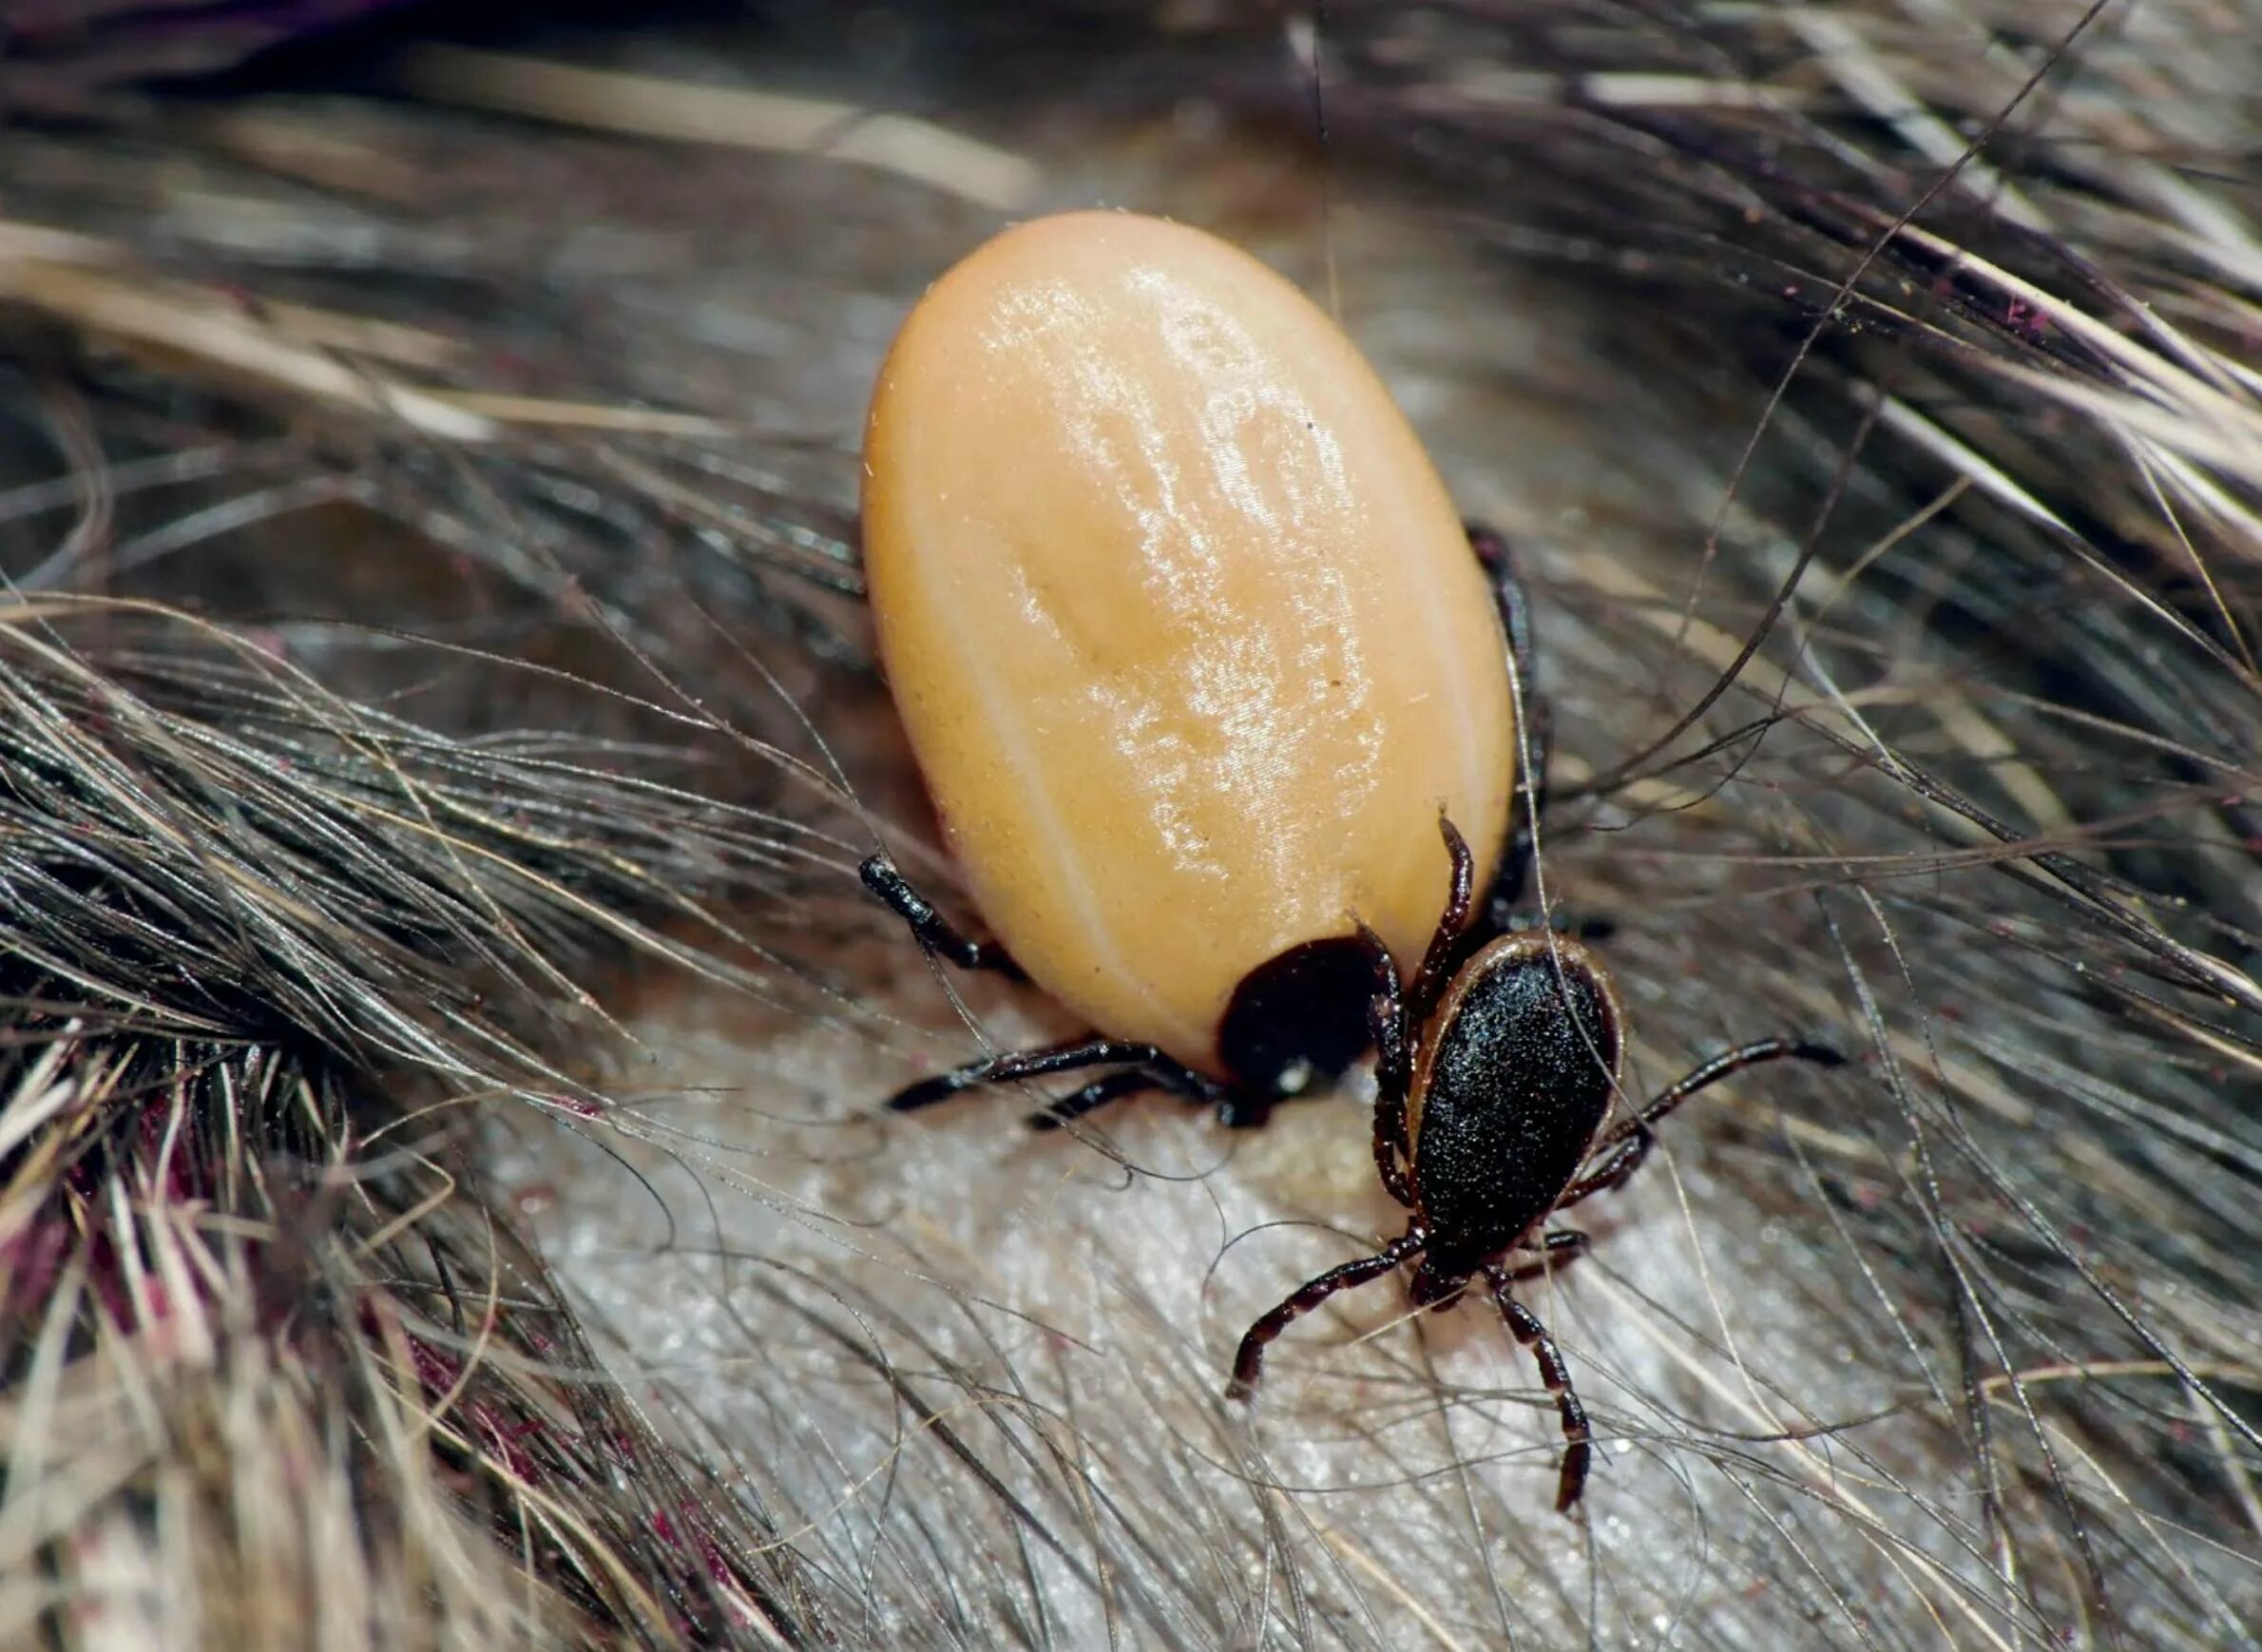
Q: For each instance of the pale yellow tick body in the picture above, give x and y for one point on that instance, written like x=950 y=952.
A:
x=1184 y=630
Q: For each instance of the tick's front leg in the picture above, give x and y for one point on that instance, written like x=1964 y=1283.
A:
x=936 y=933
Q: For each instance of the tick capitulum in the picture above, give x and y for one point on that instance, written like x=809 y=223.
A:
x=1492 y=1083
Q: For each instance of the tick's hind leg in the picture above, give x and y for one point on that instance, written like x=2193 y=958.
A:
x=1150 y=1069
x=936 y=933
x=1248 y=1363
x=1237 y=1109
x=1025 y=1064
x=1535 y=735
x=1145 y=1068
x=1558 y=1250
x=1094 y=1096
x=1579 y=1436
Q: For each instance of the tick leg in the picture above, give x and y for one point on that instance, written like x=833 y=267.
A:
x=1557 y=1251
x=1393 y=1069
x=1624 y=1148
x=1027 y=1064
x=1579 y=1450
x=1514 y=877
x=1437 y=963
x=1537 y=738
x=1094 y=1095
x=936 y=933
x=1490 y=548
x=1237 y=1109
x=1612 y=1171
x=1248 y=1364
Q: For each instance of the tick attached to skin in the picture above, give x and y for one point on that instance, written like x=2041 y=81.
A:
x=1191 y=648
x=1492 y=1083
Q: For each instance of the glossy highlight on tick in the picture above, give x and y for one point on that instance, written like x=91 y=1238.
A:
x=1493 y=1079
x=1191 y=647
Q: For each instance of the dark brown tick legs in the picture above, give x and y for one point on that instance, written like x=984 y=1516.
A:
x=1503 y=908
x=936 y=932
x=1021 y=1063
x=1536 y=734
x=1437 y=961
x=1386 y=1022
x=1621 y=1153
x=1558 y=1250
x=1102 y=1090
x=1149 y=1068
x=1622 y=1149
x=1248 y=1364
x=1394 y=1010
x=1579 y=1450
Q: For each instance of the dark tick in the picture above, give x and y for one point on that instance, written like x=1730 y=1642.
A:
x=1492 y=1083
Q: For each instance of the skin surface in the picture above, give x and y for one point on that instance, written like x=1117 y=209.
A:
x=1180 y=622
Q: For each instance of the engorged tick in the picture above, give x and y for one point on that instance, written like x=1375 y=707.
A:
x=1190 y=646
